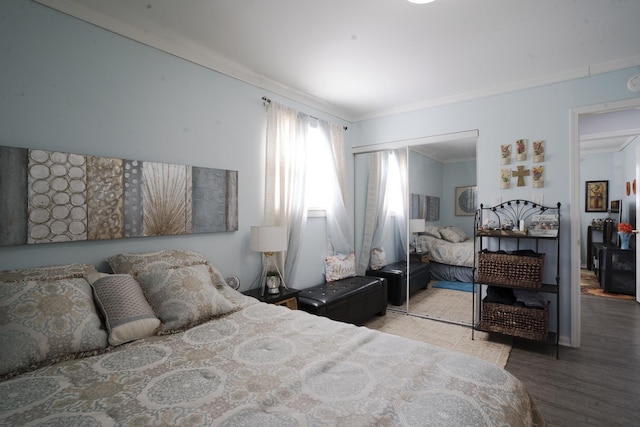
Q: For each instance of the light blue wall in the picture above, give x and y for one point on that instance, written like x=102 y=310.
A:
x=432 y=178
x=69 y=86
x=537 y=113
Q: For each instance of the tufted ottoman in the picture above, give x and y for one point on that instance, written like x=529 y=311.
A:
x=396 y=275
x=351 y=300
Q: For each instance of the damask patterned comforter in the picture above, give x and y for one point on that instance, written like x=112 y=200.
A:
x=267 y=365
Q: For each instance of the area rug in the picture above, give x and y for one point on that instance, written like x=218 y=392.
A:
x=490 y=347
x=455 y=286
x=589 y=286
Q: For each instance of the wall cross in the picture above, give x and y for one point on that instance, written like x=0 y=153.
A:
x=521 y=173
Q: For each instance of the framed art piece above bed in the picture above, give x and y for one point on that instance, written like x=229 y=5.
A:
x=51 y=196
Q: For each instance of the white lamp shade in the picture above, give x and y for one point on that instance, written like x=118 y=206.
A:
x=269 y=238
x=416 y=225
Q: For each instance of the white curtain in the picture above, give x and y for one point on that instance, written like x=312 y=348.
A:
x=377 y=211
x=339 y=233
x=401 y=214
x=286 y=179
x=378 y=207
x=286 y=164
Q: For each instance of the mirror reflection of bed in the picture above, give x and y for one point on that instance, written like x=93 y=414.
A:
x=437 y=169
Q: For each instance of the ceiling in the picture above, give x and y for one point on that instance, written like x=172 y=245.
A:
x=359 y=59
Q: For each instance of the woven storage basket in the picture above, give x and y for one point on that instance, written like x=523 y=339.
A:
x=518 y=271
x=517 y=321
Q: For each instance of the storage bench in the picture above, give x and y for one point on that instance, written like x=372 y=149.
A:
x=351 y=300
x=396 y=275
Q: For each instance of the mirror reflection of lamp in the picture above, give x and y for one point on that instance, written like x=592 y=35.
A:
x=269 y=240
x=416 y=226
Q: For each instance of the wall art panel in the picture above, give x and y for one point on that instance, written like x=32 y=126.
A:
x=13 y=188
x=58 y=197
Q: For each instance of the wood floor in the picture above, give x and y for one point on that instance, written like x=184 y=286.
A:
x=597 y=384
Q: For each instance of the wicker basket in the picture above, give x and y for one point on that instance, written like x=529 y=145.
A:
x=517 y=321
x=517 y=271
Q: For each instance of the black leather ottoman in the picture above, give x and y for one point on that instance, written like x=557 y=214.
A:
x=351 y=300
x=396 y=275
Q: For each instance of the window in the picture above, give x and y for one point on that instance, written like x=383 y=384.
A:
x=318 y=157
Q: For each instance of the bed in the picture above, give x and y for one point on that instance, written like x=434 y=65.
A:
x=224 y=360
x=451 y=253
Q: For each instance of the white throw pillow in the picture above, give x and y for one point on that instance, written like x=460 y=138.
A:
x=378 y=258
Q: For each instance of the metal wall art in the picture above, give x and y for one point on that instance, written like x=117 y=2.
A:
x=425 y=207
x=49 y=196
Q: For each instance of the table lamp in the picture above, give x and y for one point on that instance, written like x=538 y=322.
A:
x=416 y=226
x=269 y=240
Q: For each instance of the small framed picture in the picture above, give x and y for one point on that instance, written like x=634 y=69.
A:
x=596 y=196
x=466 y=200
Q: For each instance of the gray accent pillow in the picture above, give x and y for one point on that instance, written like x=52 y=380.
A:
x=128 y=316
x=183 y=296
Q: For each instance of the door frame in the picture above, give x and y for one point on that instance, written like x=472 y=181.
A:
x=576 y=244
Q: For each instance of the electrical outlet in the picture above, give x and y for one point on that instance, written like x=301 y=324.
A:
x=538 y=199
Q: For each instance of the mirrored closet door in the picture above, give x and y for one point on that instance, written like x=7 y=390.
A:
x=438 y=183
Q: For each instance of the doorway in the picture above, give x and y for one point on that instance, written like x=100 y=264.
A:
x=576 y=225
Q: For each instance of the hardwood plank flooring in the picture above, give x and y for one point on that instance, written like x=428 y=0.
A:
x=597 y=384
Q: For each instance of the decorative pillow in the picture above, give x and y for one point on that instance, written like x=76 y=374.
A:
x=46 y=273
x=460 y=232
x=432 y=230
x=128 y=316
x=135 y=263
x=183 y=296
x=340 y=266
x=378 y=258
x=42 y=320
x=450 y=236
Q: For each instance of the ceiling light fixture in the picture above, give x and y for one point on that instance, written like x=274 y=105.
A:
x=420 y=1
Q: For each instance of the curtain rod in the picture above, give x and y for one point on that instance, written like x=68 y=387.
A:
x=266 y=102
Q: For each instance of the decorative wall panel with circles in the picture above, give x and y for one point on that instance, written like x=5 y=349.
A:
x=57 y=209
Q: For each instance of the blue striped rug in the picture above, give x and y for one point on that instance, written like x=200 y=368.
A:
x=456 y=286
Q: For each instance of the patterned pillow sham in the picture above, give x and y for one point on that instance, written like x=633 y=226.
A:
x=340 y=266
x=135 y=263
x=46 y=320
x=432 y=230
x=45 y=273
x=128 y=316
x=459 y=231
x=450 y=236
x=183 y=296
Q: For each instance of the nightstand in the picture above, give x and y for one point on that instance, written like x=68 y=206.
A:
x=286 y=297
x=422 y=257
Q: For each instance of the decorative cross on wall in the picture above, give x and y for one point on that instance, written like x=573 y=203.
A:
x=521 y=173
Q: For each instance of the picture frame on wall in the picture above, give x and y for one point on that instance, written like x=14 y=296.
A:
x=596 y=196
x=466 y=200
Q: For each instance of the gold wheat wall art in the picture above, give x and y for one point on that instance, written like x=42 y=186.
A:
x=50 y=196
